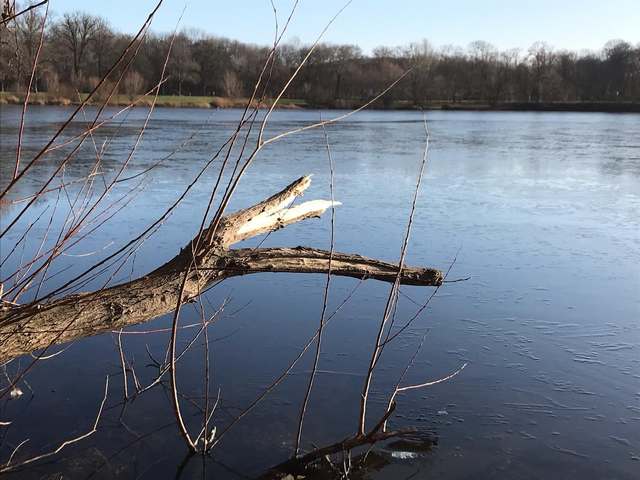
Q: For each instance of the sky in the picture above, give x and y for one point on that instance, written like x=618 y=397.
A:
x=564 y=24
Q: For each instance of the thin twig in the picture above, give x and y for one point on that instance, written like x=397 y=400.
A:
x=393 y=294
x=7 y=467
x=325 y=298
x=26 y=97
x=7 y=19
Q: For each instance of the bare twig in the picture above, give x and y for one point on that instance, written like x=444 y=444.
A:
x=324 y=302
x=9 y=466
x=123 y=364
x=26 y=97
x=6 y=19
x=393 y=294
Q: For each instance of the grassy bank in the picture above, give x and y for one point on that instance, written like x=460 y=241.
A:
x=45 y=98
x=175 y=101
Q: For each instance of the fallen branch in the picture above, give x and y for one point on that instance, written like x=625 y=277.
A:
x=24 y=329
x=298 y=465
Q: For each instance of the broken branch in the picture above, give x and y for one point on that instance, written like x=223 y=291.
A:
x=26 y=328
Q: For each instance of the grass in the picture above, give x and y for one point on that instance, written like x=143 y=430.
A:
x=47 y=98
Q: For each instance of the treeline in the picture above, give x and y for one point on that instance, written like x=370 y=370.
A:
x=79 y=49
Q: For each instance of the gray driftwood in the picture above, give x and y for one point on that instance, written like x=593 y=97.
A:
x=25 y=329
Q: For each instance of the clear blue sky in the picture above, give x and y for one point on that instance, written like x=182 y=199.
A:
x=571 y=24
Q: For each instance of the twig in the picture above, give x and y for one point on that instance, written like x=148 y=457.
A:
x=325 y=298
x=7 y=19
x=26 y=97
x=124 y=367
x=7 y=467
x=393 y=294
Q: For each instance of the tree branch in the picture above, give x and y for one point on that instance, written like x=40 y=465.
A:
x=25 y=329
x=311 y=260
x=270 y=214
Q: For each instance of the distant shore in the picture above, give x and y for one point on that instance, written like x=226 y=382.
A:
x=175 y=101
x=171 y=101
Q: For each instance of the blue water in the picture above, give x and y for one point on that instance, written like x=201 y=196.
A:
x=541 y=209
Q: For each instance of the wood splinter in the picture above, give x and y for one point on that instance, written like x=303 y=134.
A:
x=25 y=329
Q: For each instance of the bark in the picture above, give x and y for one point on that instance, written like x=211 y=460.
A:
x=298 y=465
x=25 y=329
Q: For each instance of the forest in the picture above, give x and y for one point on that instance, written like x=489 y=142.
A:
x=78 y=48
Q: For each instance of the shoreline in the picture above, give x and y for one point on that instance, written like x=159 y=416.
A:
x=174 y=101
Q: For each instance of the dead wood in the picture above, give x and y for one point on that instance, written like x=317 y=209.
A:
x=25 y=329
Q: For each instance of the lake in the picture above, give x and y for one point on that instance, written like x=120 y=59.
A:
x=542 y=211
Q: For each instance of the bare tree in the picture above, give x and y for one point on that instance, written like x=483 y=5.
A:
x=74 y=34
x=101 y=47
x=182 y=67
x=483 y=58
x=28 y=30
x=541 y=58
x=619 y=61
x=422 y=59
x=231 y=86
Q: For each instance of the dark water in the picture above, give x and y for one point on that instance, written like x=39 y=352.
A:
x=544 y=210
